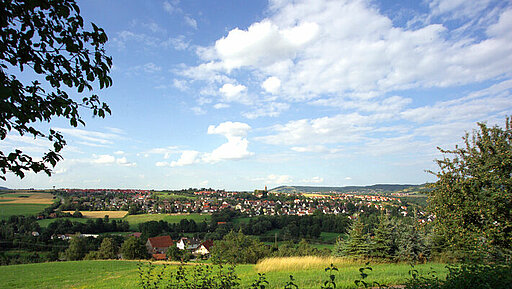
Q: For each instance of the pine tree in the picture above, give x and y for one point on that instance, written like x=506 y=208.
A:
x=381 y=245
x=357 y=243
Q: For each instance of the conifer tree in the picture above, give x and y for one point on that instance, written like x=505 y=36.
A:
x=357 y=243
x=381 y=245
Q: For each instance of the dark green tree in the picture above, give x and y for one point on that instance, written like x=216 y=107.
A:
x=46 y=38
x=108 y=249
x=133 y=249
x=77 y=248
x=472 y=198
x=381 y=246
x=356 y=244
x=237 y=248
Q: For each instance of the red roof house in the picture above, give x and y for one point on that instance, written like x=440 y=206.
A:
x=159 y=244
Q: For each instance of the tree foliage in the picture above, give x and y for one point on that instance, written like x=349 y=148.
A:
x=237 y=248
x=46 y=41
x=472 y=199
x=133 y=249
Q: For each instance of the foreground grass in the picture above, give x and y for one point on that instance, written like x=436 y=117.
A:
x=123 y=274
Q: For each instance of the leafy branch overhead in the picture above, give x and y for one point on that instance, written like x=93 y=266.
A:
x=47 y=39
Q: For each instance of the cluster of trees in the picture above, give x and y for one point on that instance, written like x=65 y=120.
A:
x=236 y=247
x=297 y=227
x=392 y=239
x=91 y=226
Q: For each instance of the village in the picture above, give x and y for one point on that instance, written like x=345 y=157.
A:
x=210 y=201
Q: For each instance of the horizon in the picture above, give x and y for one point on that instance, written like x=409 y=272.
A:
x=313 y=93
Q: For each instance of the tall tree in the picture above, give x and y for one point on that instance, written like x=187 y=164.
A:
x=472 y=199
x=381 y=246
x=46 y=38
x=133 y=249
x=356 y=244
x=77 y=248
x=108 y=249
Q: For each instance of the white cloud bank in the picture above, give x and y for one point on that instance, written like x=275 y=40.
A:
x=235 y=148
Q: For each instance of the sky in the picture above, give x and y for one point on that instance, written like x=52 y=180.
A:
x=239 y=95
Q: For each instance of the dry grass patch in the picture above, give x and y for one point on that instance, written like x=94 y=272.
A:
x=101 y=214
x=27 y=198
x=303 y=263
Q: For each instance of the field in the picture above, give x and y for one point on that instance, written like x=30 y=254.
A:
x=123 y=274
x=101 y=214
x=45 y=222
x=23 y=203
x=135 y=220
x=27 y=198
x=167 y=195
x=7 y=210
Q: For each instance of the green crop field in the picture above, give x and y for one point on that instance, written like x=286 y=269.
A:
x=135 y=220
x=123 y=274
x=45 y=222
x=7 y=210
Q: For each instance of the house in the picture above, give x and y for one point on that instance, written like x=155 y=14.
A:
x=204 y=248
x=188 y=244
x=159 y=244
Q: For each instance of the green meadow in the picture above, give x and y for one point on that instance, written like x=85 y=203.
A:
x=124 y=274
x=7 y=210
x=135 y=220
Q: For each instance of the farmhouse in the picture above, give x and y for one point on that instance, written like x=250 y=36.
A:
x=188 y=244
x=159 y=244
x=204 y=248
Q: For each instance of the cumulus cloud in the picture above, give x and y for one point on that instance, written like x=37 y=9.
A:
x=236 y=146
x=234 y=93
x=186 y=158
x=271 y=85
x=349 y=48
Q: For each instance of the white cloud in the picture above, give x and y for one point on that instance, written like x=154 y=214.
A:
x=119 y=153
x=273 y=179
x=342 y=48
x=190 y=21
x=94 y=138
x=230 y=129
x=234 y=93
x=103 y=159
x=124 y=162
x=237 y=145
x=271 y=85
x=271 y=109
x=186 y=158
x=314 y=180
x=220 y=105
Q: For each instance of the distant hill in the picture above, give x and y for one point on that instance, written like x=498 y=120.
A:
x=379 y=188
x=4 y=189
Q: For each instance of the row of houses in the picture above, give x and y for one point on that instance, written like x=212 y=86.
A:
x=158 y=246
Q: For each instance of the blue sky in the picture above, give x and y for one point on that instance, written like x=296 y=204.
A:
x=237 y=95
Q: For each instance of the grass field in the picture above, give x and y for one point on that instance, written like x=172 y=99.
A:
x=135 y=220
x=123 y=274
x=7 y=209
x=45 y=222
x=101 y=214
x=27 y=198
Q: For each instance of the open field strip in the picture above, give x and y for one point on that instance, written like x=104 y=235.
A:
x=7 y=210
x=123 y=274
x=135 y=220
x=27 y=198
x=101 y=214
